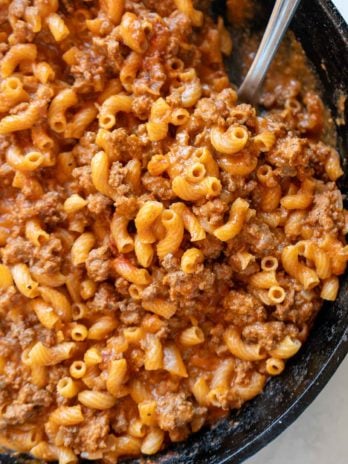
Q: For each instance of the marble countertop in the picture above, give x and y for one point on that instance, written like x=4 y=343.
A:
x=319 y=435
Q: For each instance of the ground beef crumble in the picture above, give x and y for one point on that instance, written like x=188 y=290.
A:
x=98 y=263
x=173 y=411
x=28 y=405
x=242 y=309
x=105 y=299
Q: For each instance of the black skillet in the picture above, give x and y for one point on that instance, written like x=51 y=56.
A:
x=324 y=37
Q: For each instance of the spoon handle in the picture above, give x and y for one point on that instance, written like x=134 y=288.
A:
x=278 y=24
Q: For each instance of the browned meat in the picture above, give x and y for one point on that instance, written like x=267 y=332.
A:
x=154 y=290
x=173 y=411
x=130 y=313
x=17 y=414
x=313 y=120
x=93 y=433
x=117 y=178
x=241 y=309
x=185 y=288
x=141 y=106
x=259 y=238
x=17 y=250
x=98 y=263
x=98 y=203
x=50 y=208
x=48 y=257
x=17 y=8
x=268 y=334
x=300 y=312
x=89 y=70
x=326 y=215
x=120 y=423
x=105 y=299
x=22 y=32
x=127 y=206
x=85 y=149
x=83 y=177
x=159 y=186
x=29 y=403
x=288 y=154
x=88 y=436
x=211 y=212
x=211 y=247
x=8 y=298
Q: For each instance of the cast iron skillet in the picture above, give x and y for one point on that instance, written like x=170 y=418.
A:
x=324 y=37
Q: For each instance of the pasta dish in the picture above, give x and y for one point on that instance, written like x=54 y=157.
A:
x=164 y=247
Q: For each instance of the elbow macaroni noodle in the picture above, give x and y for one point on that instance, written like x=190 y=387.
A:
x=158 y=239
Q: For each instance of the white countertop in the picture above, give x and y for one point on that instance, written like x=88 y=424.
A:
x=320 y=434
x=342 y=6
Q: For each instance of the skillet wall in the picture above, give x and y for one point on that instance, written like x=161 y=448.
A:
x=324 y=36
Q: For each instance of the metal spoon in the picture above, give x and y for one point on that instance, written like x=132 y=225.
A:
x=278 y=24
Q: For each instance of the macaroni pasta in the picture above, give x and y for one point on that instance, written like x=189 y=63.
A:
x=164 y=248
